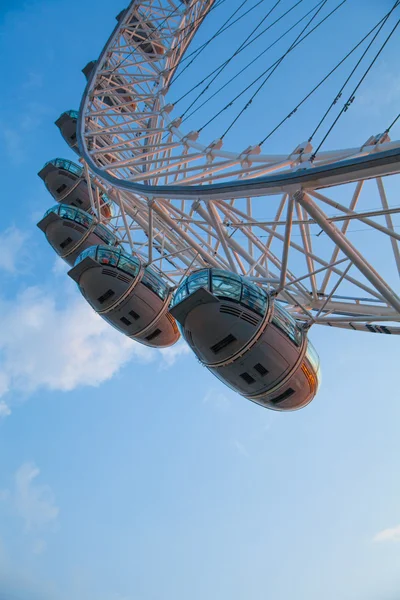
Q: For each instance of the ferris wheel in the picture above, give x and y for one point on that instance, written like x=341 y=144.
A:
x=178 y=225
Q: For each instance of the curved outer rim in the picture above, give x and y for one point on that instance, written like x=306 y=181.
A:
x=337 y=167
x=373 y=162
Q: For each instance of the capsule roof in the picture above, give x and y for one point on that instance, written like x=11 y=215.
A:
x=121 y=260
x=61 y=163
x=224 y=284
x=73 y=114
x=116 y=257
x=87 y=69
x=77 y=215
x=67 y=124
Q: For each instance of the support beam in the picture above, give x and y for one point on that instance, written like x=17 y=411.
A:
x=389 y=222
x=348 y=249
x=286 y=243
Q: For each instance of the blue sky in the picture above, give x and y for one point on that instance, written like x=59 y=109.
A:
x=130 y=474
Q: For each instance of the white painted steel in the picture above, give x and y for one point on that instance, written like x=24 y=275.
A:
x=199 y=205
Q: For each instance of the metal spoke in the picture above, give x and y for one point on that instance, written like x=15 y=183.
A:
x=190 y=205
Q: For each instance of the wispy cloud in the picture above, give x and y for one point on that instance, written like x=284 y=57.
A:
x=391 y=534
x=33 y=502
x=39 y=546
x=216 y=399
x=59 y=348
x=16 y=136
x=5 y=410
x=171 y=355
x=60 y=267
x=241 y=448
x=12 y=249
x=47 y=346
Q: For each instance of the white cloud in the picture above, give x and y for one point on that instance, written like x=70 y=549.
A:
x=170 y=355
x=32 y=501
x=47 y=346
x=5 y=410
x=39 y=547
x=241 y=448
x=3 y=385
x=59 y=348
x=388 y=535
x=60 y=267
x=15 y=138
x=216 y=399
x=43 y=345
x=12 y=242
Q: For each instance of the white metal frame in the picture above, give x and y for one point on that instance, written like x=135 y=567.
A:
x=189 y=205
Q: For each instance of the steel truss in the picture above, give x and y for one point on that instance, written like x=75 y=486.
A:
x=187 y=205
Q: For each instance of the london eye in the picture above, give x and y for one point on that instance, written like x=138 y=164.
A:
x=170 y=232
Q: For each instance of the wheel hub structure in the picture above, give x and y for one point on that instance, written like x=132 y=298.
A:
x=294 y=223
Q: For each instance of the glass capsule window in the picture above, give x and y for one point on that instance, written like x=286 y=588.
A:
x=107 y=257
x=88 y=252
x=287 y=324
x=105 y=235
x=198 y=280
x=67 y=165
x=107 y=206
x=77 y=215
x=180 y=294
x=74 y=114
x=128 y=265
x=224 y=284
x=153 y=281
x=254 y=298
x=113 y=258
x=313 y=358
x=71 y=213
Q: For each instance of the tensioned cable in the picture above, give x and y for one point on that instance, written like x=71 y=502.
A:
x=321 y=83
x=155 y=30
x=351 y=98
x=189 y=26
x=244 y=48
x=253 y=61
x=339 y=94
x=271 y=66
x=185 y=58
x=231 y=58
x=392 y=123
x=272 y=71
x=216 y=34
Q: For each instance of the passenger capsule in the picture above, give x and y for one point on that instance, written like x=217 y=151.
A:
x=113 y=81
x=67 y=184
x=247 y=339
x=70 y=230
x=130 y=296
x=143 y=34
x=67 y=123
